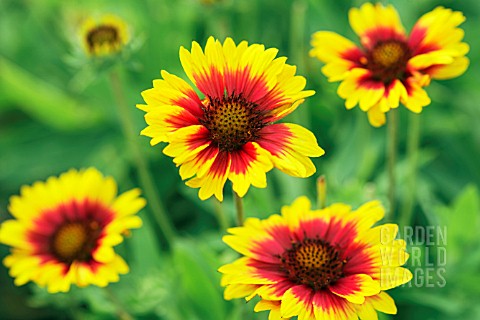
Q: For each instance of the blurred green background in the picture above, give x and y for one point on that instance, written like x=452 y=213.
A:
x=57 y=112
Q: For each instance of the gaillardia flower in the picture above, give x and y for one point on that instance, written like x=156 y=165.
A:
x=105 y=36
x=65 y=229
x=230 y=133
x=390 y=67
x=317 y=264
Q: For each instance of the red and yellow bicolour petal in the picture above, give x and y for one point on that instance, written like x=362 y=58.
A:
x=339 y=54
x=376 y=250
x=248 y=167
x=372 y=262
x=286 y=95
x=381 y=302
x=438 y=52
x=376 y=98
x=171 y=104
x=360 y=88
x=75 y=197
x=290 y=147
x=211 y=167
x=71 y=185
x=57 y=278
x=285 y=146
x=416 y=97
x=393 y=94
x=125 y=206
x=376 y=117
x=388 y=255
x=243 y=168
x=436 y=43
x=193 y=151
x=374 y=23
x=319 y=305
x=308 y=305
x=355 y=288
x=448 y=71
x=272 y=306
x=249 y=70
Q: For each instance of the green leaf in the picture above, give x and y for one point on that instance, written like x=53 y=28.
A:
x=466 y=210
x=145 y=251
x=98 y=300
x=196 y=266
x=463 y=217
x=425 y=297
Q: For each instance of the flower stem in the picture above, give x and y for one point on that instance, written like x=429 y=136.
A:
x=392 y=157
x=122 y=314
x=131 y=135
x=220 y=215
x=412 y=152
x=239 y=207
x=297 y=33
x=296 y=53
x=321 y=192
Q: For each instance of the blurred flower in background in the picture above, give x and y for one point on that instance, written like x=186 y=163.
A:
x=391 y=67
x=317 y=264
x=99 y=43
x=230 y=134
x=65 y=229
x=104 y=36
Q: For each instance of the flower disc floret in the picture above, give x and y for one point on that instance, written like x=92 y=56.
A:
x=104 y=36
x=313 y=262
x=232 y=123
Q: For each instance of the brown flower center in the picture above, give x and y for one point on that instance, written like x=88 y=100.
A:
x=313 y=262
x=232 y=122
x=388 y=60
x=102 y=35
x=75 y=241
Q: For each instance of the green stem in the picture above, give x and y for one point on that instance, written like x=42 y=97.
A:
x=297 y=34
x=412 y=152
x=321 y=192
x=220 y=215
x=131 y=135
x=122 y=314
x=297 y=51
x=239 y=206
x=392 y=158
